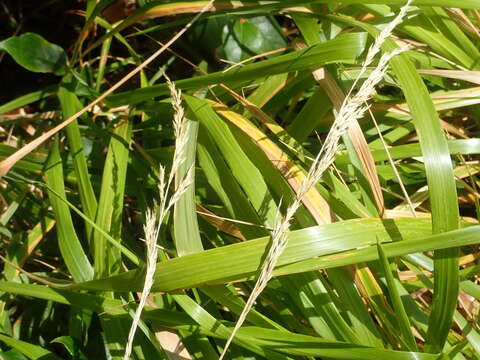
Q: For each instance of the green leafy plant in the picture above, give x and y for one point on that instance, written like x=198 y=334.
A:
x=368 y=250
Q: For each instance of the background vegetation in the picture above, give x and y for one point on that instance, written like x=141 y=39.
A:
x=381 y=261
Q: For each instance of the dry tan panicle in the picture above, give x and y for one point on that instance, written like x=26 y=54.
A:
x=154 y=218
x=151 y=229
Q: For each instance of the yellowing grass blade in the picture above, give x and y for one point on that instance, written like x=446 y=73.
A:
x=314 y=202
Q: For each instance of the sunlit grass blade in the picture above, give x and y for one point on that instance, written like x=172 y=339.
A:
x=318 y=307
x=187 y=233
x=314 y=202
x=225 y=186
x=242 y=167
x=344 y=49
x=333 y=243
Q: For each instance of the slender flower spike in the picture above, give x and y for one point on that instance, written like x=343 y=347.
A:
x=352 y=109
x=154 y=218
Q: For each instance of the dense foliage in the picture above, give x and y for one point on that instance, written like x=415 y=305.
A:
x=381 y=259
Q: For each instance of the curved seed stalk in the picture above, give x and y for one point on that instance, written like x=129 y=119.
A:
x=155 y=216
x=352 y=109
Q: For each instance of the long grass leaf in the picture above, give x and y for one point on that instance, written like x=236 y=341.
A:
x=240 y=261
x=70 y=105
x=400 y=313
x=110 y=204
x=70 y=247
x=34 y=352
x=344 y=49
x=186 y=231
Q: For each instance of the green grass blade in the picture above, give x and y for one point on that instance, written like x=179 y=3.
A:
x=186 y=232
x=70 y=105
x=400 y=313
x=241 y=261
x=34 y=352
x=20 y=252
x=304 y=345
x=110 y=204
x=228 y=297
x=32 y=163
x=344 y=49
x=206 y=320
x=225 y=186
x=316 y=304
x=443 y=198
x=310 y=116
x=70 y=247
x=243 y=169
x=422 y=29
x=354 y=307
x=455 y=147
x=115 y=243
x=28 y=99
x=450 y=239
x=204 y=324
x=449 y=28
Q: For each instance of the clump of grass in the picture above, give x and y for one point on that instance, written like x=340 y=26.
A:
x=345 y=306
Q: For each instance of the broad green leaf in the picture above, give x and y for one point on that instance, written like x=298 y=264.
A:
x=36 y=54
x=246 y=37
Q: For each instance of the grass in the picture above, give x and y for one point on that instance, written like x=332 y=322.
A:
x=374 y=240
